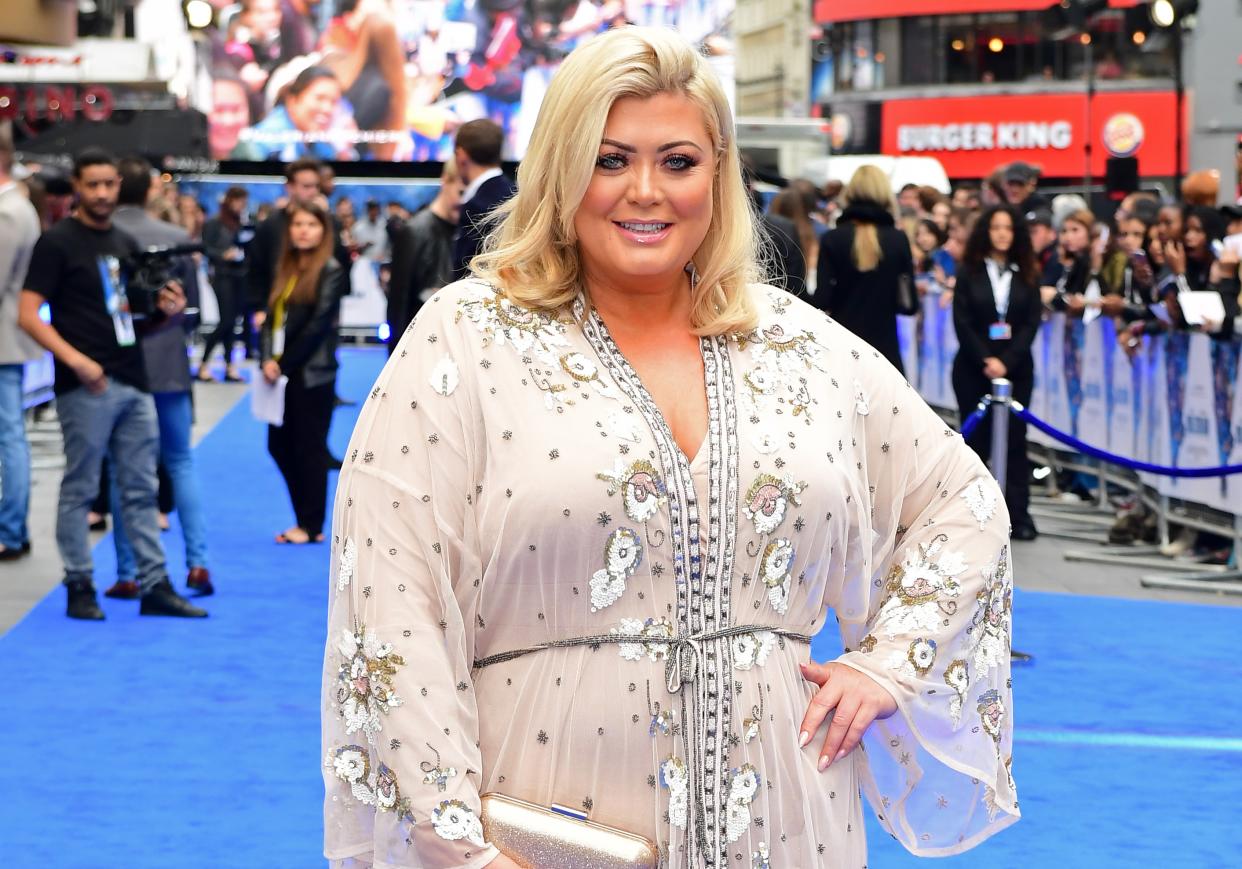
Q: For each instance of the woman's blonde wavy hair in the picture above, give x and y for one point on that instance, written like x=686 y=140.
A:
x=532 y=252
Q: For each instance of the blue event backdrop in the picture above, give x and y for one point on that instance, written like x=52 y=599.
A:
x=412 y=193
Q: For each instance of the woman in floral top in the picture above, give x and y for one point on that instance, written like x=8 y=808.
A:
x=605 y=492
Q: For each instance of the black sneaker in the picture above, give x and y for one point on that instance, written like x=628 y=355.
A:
x=82 y=602
x=163 y=600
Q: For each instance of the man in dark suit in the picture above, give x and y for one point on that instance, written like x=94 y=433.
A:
x=476 y=150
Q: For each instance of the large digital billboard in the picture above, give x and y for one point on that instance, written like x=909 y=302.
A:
x=392 y=80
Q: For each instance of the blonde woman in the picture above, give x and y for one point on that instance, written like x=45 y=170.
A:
x=866 y=267
x=600 y=499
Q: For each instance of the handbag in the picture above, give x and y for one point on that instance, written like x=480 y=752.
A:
x=560 y=838
x=907 y=298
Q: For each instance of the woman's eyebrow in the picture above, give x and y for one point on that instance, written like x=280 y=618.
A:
x=668 y=146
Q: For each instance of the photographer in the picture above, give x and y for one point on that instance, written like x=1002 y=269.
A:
x=101 y=385
x=168 y=380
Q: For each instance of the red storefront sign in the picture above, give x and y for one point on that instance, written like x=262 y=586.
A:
x=971 y=136
x=55 y=102
x=828 y=11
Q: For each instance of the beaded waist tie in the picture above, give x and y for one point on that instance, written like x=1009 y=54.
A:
x=682 y=654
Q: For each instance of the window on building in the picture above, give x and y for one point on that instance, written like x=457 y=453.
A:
x=992 y=47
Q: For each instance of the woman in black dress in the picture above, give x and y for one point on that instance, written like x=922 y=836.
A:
x=866 y=269
x=996 y=311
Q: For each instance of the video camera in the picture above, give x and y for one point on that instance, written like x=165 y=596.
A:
x=149 y=271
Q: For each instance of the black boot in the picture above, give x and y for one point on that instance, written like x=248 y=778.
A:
x=163 y=600
x=82 y=603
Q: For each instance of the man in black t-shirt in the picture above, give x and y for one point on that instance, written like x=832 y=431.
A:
x=101 y=386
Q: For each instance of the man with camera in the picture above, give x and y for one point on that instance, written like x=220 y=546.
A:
x=102 y=400
x=168 y=381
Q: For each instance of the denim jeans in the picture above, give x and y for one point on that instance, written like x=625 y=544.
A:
x=120 y=422
x=176 y=414
x=14 y=461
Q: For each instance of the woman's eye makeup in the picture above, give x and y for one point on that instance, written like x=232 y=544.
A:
x=675 y=162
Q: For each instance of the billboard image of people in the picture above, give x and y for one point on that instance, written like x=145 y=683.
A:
x=392 y=80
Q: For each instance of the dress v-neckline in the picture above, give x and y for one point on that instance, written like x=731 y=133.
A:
x=689 y=460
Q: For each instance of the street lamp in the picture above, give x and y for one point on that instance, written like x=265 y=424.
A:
x=1166 y=13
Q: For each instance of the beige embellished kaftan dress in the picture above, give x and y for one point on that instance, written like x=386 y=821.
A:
x=511 y=484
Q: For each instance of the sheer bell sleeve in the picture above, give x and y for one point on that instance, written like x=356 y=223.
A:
x=927 y=614
x=401 y=763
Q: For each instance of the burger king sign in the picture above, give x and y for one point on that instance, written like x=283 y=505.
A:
x=1123 y=134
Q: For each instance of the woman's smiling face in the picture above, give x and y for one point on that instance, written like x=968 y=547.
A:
x=649 y=203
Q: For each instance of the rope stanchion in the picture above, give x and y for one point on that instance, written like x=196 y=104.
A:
x=1144 y=467
x=972 y=422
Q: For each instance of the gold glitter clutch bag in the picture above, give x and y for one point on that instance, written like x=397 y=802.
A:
x=558 y=838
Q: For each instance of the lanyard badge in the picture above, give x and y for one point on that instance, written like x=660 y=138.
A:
x=116 y=301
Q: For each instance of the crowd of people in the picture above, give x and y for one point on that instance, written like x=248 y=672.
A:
x=1000 y=252
x=1003 y=255
x=123 y=379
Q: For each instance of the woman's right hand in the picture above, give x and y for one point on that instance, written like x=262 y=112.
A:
x=1175 y=257
x=271 y=371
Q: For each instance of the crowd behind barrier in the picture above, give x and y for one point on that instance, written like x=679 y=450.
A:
x=1176 y=402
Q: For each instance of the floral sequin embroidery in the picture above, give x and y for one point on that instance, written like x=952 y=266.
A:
x=917 y=587
x=781 y=363
x=349 y=563
x=917 y=660
x=501 y=321
x=622 y=554
x=957 y=677
x=767 y=500
x=436 y=773
x=675 y=777
x=364 y=688
x=778 y=556
x=751 y=650
x=761 y=858
x=742 y=789
x=641 y=487
x=861 y=405
x=992 y=619
x=654 y=651
x=454 y=820
x=581 y=369
x=992 y=713
x=372 y=787
x=445 y=376
x=981 y=498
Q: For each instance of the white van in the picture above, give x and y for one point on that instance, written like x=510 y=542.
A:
x=923 y=171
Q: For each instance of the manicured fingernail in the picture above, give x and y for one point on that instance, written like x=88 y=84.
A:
x=840 y=754
x=823 y=762
x=803 y=739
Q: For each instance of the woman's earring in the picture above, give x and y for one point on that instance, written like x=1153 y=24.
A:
x=694 y=275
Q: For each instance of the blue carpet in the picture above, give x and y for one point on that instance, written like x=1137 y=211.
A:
x=161 y=743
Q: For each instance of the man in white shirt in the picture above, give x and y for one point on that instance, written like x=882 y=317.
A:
x=371 y=234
